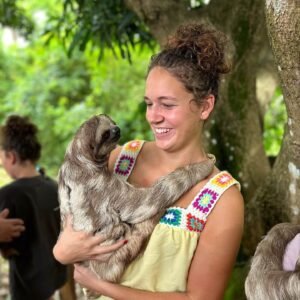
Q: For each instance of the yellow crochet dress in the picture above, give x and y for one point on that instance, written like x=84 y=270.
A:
x=164 y=265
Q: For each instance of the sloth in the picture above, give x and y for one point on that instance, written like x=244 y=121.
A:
x=267 y=278
x=101 y=203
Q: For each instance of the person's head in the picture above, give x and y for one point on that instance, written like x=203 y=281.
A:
x=19 y=144
x=184 y=79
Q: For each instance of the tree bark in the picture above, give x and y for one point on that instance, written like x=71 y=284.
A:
x=162 y=16
x=278 y=200
x=238 y=118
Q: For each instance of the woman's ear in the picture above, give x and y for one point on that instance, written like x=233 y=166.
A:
x=11 y=156
x=207 y=107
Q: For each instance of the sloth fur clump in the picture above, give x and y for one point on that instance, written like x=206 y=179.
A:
x=267 y=280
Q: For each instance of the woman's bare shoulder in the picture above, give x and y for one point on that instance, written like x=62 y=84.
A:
x=230 y=208
x=113 y=157
x=145 y=154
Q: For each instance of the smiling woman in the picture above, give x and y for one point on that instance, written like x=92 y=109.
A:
x=192 y=249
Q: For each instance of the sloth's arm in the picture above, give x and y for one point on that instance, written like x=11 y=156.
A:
x=137 y=205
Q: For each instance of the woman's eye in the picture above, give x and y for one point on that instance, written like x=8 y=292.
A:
x=148 y=104
x=166 y=105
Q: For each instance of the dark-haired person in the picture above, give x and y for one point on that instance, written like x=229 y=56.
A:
x=33 y=271
x=192 y=250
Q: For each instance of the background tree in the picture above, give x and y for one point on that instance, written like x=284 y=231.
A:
x=280 y=192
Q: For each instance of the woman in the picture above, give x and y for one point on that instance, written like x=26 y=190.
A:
x=33 y=271
x=192 y=250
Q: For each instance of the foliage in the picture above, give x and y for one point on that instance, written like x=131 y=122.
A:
x=274 y=121
x=106 y=24
x=235 y=289
x=14 y=16
x=59 y=93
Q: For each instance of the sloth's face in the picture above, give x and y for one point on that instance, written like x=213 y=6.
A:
x=97 y=137
x=107 y=136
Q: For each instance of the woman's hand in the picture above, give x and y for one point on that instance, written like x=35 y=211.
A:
x=86 y=278
x=74 y=246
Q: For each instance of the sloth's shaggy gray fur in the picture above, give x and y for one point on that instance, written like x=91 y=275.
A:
x=267 y=280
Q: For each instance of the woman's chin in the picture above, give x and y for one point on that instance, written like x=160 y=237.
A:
x=163 y=143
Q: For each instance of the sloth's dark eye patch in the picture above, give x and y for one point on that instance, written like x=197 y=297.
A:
x=106 y=135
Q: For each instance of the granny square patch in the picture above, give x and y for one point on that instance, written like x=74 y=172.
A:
x=194 y=224
x=124 y=165
x=172 y=217
x=205 y=200
x=223 y=180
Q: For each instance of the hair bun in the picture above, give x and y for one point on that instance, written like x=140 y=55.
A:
x=20 y=126
x=202 y=44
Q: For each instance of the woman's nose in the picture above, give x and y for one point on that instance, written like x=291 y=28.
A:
x=154 y=114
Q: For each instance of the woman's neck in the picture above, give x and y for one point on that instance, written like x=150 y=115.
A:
x=26 y=170
x=173 y=160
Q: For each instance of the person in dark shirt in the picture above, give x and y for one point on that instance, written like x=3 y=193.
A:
x=33 y=271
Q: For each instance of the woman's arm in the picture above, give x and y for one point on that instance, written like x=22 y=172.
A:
x=212 y=263
x=217 y=248
x=74 y=246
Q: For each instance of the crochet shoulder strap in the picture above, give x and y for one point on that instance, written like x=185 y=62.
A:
x=194 y=217
x=209 y=195
x=127 y=158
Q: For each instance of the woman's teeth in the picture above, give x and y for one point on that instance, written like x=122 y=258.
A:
x=161 y=130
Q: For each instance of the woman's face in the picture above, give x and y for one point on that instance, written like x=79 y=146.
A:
x=174 y=119
x=6 y=161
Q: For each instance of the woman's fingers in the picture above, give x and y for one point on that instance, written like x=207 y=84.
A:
x=86 y=278
x=100 y=252
x=68 y=223
x=77 y=246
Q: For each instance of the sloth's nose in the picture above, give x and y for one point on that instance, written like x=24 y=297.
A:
x=116 y=131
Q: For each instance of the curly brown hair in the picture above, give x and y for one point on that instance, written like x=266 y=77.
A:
x=195 y=55
x=20 y=135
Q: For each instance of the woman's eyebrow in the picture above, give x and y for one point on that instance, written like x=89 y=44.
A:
x=162 y=98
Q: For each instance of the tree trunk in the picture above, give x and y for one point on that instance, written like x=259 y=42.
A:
x=238 y=120
x=278 y=200
x=162 y=16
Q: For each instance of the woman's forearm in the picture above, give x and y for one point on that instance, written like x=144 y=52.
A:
x=120 y=292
